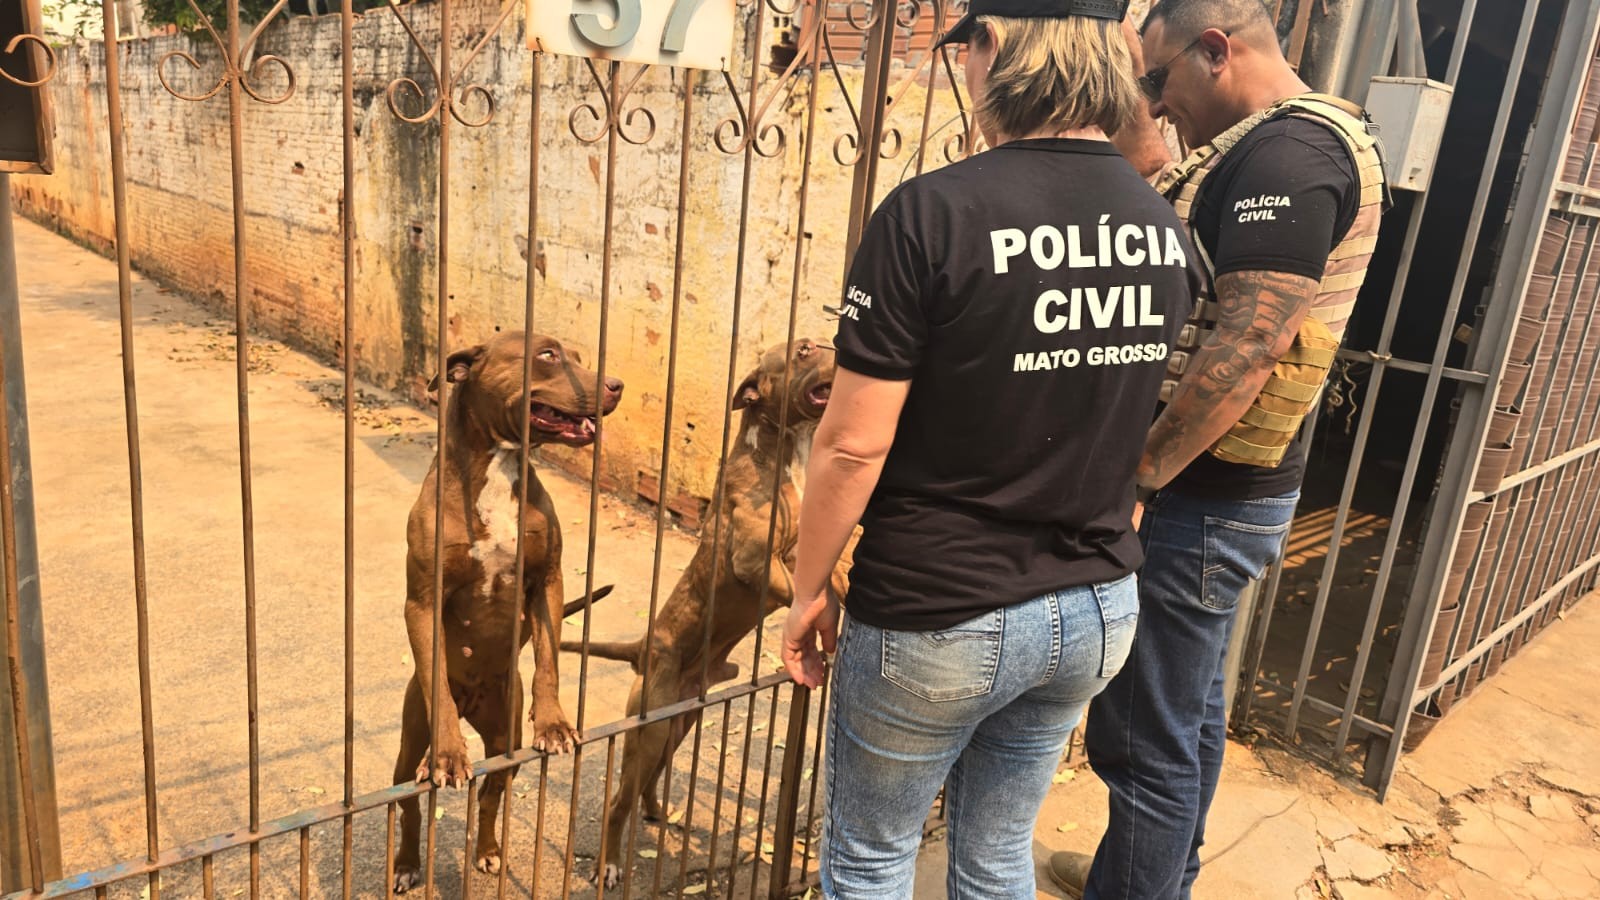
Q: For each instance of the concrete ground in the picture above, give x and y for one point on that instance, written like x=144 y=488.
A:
x=1503 y=800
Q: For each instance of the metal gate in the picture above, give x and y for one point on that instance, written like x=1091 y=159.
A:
x=1489 y=538
x=742 y=829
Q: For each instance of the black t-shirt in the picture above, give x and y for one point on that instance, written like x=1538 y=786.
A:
x=1280 y=201
x=1032 y=294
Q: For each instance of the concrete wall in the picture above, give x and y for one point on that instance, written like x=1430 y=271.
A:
x=182 y=230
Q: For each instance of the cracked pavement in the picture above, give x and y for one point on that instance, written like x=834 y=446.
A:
x=1501 y=801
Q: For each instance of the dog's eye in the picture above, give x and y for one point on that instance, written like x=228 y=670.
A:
x=549 y=355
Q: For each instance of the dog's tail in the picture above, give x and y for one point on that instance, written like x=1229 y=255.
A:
x=622 y=651
x=578 y=604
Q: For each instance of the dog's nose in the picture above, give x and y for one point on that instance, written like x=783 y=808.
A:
x=613 y=385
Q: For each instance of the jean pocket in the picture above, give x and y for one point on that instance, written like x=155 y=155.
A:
x=956 y=663
x=1119 y=617
x=1236 y=553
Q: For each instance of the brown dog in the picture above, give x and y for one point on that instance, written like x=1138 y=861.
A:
x=739 y=568
x=483 y=493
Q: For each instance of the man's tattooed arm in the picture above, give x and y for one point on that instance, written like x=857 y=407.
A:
x=1259 y=314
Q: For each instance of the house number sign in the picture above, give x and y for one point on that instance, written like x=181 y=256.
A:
x=695 y=34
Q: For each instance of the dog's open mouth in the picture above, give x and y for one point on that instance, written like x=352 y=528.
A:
x=818 y=395
x=546 y=418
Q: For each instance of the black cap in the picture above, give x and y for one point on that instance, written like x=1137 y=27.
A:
x=961 y=32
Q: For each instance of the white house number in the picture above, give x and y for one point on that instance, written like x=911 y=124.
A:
x=688 y=33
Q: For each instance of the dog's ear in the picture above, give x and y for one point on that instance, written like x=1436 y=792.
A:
x=458 y=366
x=748 y=392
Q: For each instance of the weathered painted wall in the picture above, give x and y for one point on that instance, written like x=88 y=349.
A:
x=181 y=220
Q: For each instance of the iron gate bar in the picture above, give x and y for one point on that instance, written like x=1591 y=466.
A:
x=316 y=815
x=1573 y=45
x=10 y=587
x=1380 y=359
x=1430 y=391
x=1370 y=357
x=880 y=44
x=1366 y=724
x=141 y=594
x=347 y=240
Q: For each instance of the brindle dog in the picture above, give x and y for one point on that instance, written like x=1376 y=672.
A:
x=739 y=566
x=483 y=494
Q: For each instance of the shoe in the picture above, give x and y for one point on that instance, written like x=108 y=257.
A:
x=1070 y=871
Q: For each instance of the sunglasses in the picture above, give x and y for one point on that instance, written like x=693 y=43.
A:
x=1153 y=82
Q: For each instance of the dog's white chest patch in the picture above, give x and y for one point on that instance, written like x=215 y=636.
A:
x=496 y=546
x=802 y=457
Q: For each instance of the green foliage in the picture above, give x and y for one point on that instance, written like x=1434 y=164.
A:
x=181 y=14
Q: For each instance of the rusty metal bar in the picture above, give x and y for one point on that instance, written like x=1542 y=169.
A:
x=348 y=240
x=241 y=304
x=816 y=767
x=530 y=295
x=388 y=848
x=752 y=50
x=11 y=561
x=766 y=784
x=572 y=822
x=605 y=797
x=544 y=784
x=388 y=796
x=208 y=880
x=670 y=401
x=613 y=129
x=716 y=806
x=305 y=863
x=446 y=100
x=688 y=810
x=466 y=848
x=879 y=53
x=788 y=811
x=141 y=596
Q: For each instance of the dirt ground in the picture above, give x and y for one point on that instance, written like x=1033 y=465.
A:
x=1501 y=801
x=189 y=442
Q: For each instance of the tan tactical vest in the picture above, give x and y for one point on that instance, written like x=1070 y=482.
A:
x=1264 y=432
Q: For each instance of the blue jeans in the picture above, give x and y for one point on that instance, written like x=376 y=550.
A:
x=1156 y=736
x=984 y=708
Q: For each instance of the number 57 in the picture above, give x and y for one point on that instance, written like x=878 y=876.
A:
x=625 y=25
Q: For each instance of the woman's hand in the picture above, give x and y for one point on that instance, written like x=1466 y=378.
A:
x=809 y=620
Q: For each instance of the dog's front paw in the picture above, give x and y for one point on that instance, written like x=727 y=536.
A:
x=451 y=767
x=489 y=861
x=554 y=736
x=406 y=877
x=611 y=875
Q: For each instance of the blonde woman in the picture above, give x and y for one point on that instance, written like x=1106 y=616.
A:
x=1009 y=320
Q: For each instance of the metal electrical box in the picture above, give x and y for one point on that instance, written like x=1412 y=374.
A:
x=25 y=127
x=1410 y=114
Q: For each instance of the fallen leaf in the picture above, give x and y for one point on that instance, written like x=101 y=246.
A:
x=438 y=812
x=405 y=659
x=675 y=818
x=1065 y=776
x=647 y=854
x=573 y=619
x=695 y=889
x=778 y=745
x=1067 y=826
x=806 y=775
x=315 y=791
x=759 y=726
x=767 y=848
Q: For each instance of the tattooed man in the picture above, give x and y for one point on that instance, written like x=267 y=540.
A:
x=1282 y=199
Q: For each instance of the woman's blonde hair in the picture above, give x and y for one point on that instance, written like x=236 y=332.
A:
x=1059 y=73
